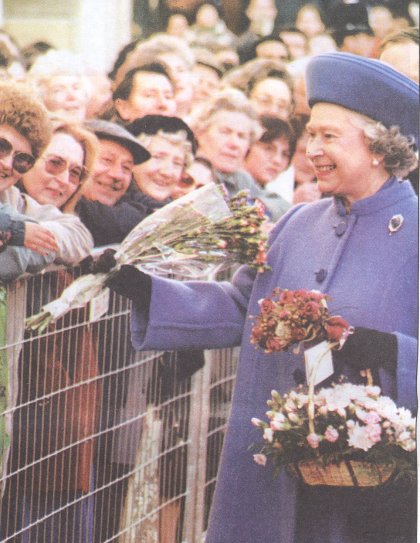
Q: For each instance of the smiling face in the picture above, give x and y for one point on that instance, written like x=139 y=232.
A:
x=55 y=188
x=158 y=176
x=340 y=157
x=112 y=173
x=265 y=161
x=66 y=95
x=226 y=140
x=9 y=176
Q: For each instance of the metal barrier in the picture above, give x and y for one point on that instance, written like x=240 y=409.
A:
x=98 y=442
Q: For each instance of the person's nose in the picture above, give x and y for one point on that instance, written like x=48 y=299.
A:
x=234 y=141
x=7 y=163
x=63 y=177
x=313 y=148
x=116 y=172
x=167 y=169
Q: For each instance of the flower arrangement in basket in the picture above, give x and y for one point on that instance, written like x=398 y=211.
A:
x=344 y=435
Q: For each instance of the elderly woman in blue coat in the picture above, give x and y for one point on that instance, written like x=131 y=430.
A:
x=359 y=245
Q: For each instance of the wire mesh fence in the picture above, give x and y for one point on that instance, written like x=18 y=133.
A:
x=98 y=442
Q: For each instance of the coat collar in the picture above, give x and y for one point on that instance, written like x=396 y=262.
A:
x=392 y=191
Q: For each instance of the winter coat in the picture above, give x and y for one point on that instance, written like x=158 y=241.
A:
x=371 y=276
x=16 y=259
x=234 y=182
x=73 y=238
x=110 y=224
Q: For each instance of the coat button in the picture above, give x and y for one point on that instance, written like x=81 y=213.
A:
x=340 y=229
x=320 y=275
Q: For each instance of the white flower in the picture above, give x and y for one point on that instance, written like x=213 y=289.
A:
x=268 y=435
x=359 y=438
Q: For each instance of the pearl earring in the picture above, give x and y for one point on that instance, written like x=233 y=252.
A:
x=375 y=162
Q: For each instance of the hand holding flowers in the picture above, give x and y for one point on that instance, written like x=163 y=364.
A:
x=191 y=236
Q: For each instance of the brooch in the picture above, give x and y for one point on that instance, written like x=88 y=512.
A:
x=395 y=224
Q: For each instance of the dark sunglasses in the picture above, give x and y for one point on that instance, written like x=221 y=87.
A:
x=56 y=165
x=22 y=162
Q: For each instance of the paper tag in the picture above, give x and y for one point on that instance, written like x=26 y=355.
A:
x=99 y=305
x=319 y=359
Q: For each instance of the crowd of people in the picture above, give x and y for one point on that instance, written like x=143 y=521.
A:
x=85 y=156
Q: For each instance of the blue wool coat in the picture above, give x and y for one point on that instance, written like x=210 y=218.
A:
x=371 y=277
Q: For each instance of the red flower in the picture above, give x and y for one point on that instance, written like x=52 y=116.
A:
x=266 y=306
x=298 y=334
x=312 y=310
x=274 y=344
x=335 y=327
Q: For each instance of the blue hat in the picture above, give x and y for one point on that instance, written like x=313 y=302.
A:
x=367 y=86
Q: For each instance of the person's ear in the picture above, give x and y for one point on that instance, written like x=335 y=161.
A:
x=123 y=109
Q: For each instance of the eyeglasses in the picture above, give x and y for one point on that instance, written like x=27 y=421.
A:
x=56 y=165
x=22 y=162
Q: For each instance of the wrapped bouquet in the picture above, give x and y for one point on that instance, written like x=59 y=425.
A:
x=189 y=237
x=358 y=437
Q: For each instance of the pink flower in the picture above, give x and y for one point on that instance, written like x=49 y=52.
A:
x=331 y=434
x=313 y=440
x=260 y=459
x=374 y=432
x=257 y=422
x=372 y=418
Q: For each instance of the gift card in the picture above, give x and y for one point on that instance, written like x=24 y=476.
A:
x=319 y=362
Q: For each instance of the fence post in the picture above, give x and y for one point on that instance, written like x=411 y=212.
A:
x=197 y=456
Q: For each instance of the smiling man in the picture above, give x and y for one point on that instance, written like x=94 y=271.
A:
x=119 y=152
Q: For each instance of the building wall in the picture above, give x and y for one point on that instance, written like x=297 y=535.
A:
x=97 y=29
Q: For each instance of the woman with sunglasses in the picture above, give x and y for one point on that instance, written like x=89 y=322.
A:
x=25 y=132
x=60 y=171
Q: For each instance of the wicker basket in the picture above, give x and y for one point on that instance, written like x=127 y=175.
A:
x=346 y=473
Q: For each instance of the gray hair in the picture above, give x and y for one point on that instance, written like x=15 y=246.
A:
x=177 y=138
x=397 y=149
x=226 y=100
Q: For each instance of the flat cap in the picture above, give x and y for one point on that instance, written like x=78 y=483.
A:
x=367 y=86
x=115 y=132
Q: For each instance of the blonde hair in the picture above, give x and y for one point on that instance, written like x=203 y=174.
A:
x=246 y=76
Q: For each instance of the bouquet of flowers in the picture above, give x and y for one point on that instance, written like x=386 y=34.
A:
x=189 y=237
x=290 y=317
x=358 y=437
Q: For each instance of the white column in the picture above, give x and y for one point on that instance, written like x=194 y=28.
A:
x=103 y=27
